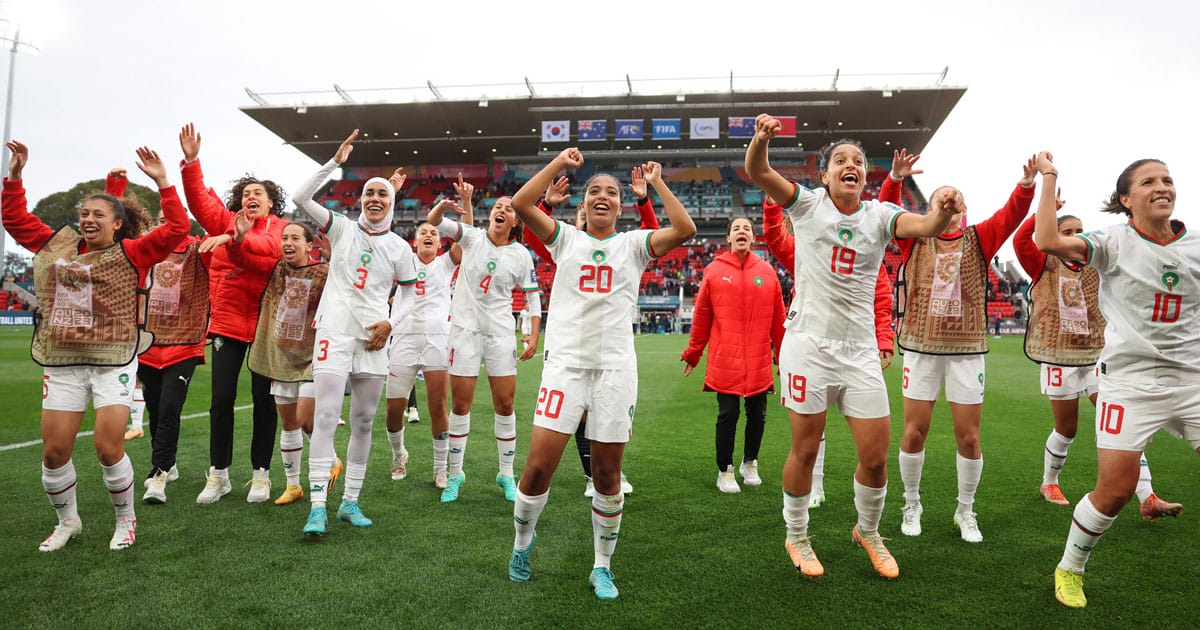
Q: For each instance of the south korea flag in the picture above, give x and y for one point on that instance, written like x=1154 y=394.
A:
x=556 y=130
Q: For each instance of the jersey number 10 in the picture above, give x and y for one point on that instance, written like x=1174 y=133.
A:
x=1166 y=308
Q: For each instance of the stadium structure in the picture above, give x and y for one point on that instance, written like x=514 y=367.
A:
x=498 y=135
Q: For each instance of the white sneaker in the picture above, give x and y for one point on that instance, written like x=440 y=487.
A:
x=910 y=524
x=260 y=486
x=727 y=482
x=63 y=532
x=816 y=496
x=125 y=534
x=215 y=487
x=412 y=416
x=440 y=479
x=626 y=487
x=156 y=488
x=400 y=466
x=968 y=527
x=589 y=490
x=749 y=470
x=173 y=474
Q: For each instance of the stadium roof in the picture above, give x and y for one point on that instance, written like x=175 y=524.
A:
x=444 y=125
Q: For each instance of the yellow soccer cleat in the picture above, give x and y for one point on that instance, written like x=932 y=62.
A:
x=291 y=494
x=1068 y=588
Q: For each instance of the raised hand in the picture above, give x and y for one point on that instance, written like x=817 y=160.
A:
x=902 y=164
x=213 y=242
x=152 y=165
x=1030 y=170
x=447 y=204
x=652 y=172
x=1059 y=202
x=241 y=225
x=766 y=127
x=463 y=188
x=189 y=141
x=322 y=243
x=347 y=146
x=637 y=184
x=1044 y=162
x=20 y=156
x=397 y=179
x=570 y=158
x=117 y=173
x=556 y=193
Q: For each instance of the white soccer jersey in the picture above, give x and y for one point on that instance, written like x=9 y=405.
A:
x=594 y=297
x=362 y=267
x=430 y=314
x=487 y=276
x=1150 y=295
x=837 y=265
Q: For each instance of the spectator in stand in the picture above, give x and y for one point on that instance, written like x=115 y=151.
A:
x=739 y=316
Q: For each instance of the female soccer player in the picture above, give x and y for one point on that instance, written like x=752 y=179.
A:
x=1065 y=335
x=943 y=332
x=87 y=336
x=481 y=330
x=595 y=291
x=739 y=316
x=352 y=329
x=234 y=293
x=829 y=354
x=1149 y=370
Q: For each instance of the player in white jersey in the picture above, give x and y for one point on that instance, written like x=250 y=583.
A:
x=420 y=343
x=353 y=326
x=1149 y=369
x=589 y=353
x=494 y=264
x=829 y=353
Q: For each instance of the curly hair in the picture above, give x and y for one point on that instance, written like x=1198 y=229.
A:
x=275 y=192
x=1124 y=182
x=134 y=218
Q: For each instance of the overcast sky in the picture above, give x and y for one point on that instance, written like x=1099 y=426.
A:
x=1100 y=82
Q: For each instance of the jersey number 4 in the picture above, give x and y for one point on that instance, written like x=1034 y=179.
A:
x=593 y=279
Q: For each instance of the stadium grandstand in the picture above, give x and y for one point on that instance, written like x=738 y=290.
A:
x=498 y=135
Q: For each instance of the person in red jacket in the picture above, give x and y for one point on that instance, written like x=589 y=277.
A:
x=782 y=246
x=739 y=314
x=86 y=333
x=234 y=292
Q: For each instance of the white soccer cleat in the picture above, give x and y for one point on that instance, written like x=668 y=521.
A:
x=412 y=416
x=589 y=490
x=125 y=533
x=968 y=527
x=816 y=496
x=727 y=481
x=400 y=467
x=173 y=474
x=749 y=470
x=63 y=532
x=215 y=487
x=626 y=487
x=156 y=488
x=440 y=479
x=260 y=486
x=910 y=524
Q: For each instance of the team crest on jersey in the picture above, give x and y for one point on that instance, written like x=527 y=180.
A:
x=491 y=266
x=1170 y=280
x=598 y=256
x=845 y=236
x=365 y=258
x=123 y=379
x=758 y=281
x=420 y=275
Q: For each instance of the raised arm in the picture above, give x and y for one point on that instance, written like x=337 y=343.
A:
x=1046 y=234
x=303 y=196
x=466 y=195
x=525 y=201
x=941 y=211
x=996 y=229
x=645 y=209
x=902 y=168
x=681 y=227
x=25 y=228
x=204 y=202
x=158 y=243
x=243 y=256
x=781 y=244
x=1032 y=261
x=115 y=182
x=759 y=168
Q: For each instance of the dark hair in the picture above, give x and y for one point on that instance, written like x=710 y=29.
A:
x=1066 y=217
x=1124 y=181
x=827 y=150
x=729 y=225
x=274 y=191
x=309 y=234
x=134 y=218
x=588 y=183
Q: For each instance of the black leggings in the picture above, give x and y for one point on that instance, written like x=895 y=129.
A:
x=585 y=450
x=165 y=389
x=727 y=417
x=227 y=357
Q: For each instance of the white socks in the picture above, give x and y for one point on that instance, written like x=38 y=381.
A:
x=818 y=471
x=606 y=526
x=795 y=515
x=118 y=478
x=969 y=473
x=506 y=442
x=396 y=440
x=460 y=427
x=910 y=473
x=869 y=503
x=291 y=449
x=526 y=511
x=318 y=479
x=355 y=474
x=441 y=448
x=1056 y=457
x=59 y=484
x=1087 y=526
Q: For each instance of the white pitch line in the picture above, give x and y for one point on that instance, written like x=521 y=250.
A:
x=9 y=447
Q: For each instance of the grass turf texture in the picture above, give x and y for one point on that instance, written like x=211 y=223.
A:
x=688 y=555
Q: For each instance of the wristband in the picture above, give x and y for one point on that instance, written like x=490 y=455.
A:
x=643 y=200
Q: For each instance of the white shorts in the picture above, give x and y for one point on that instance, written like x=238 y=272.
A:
x=336 y=353
x=289 y=393
x=608 y=396
x=72 y=388
x=467 y=349
x=818 y=372
x=1069 y=383
x=963 y=374
x=1128 y=414
x=428 y=352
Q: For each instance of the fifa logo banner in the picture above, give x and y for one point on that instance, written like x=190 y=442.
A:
x=590 y=130
x=666 y=129
x=556 y=130
x=629 y=129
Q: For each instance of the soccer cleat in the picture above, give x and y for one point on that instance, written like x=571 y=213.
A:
x=880 y=557
x=968 y=527
x=125 y=534
x=816 y=496
x=214 y=488
x=910 y=523
x=453 y=483
x=1068 y=588
x=1053 y=493
x=400 y=466
x=509 y=484
x=64 y=531
x=291 y=494
x=440 y=479
x=626 y=487
x=727 y=482
x=601 y=580
x=749 y=470
x=589 y=490
x=315 y=526
x=350 y=512
x=519 y=569
x=156 y=489
x=412 y=416
x=173 y=474
x=133 y=434
x=1153 y=508
x=803 y=558
x=335 y=471
x=260 y=487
